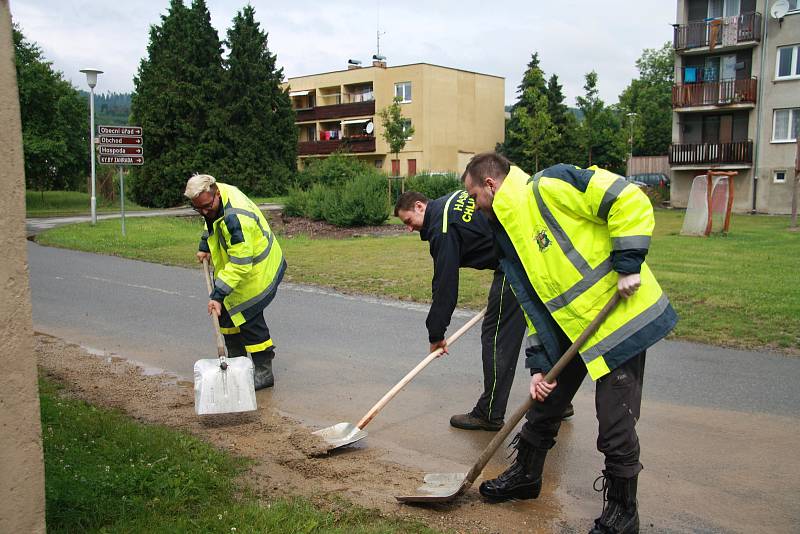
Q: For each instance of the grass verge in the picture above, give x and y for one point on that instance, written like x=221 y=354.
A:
x=63 y=203
x=107 y=473
x=739 y=290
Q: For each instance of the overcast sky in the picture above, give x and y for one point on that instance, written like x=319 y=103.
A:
x=571 y=36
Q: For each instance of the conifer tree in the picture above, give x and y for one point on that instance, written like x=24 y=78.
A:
x=599 y=134
x=565 y=123
x=530 y=106
x=258 y=120
x=176 y=101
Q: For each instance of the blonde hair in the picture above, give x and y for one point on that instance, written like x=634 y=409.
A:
x=199 y=183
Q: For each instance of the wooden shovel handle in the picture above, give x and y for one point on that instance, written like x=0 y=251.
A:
x=214 y=318
x=415 y=371
x=512 y=422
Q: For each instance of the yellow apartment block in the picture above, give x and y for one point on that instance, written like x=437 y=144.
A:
x=455 y=114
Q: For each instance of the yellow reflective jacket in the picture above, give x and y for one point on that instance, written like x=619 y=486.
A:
x=248 y=261
x=558 y=233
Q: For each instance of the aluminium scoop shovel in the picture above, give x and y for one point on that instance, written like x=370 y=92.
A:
x=441 y=487
x=343 y=434
x=222 y=384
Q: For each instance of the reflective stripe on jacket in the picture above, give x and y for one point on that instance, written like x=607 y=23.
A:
x=561 y=230
x=248 y=261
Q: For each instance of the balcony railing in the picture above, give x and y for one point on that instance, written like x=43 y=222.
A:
x=348 y=144
x=721 y=93
x=731 y=31
x=336 y=111
x=711 y=153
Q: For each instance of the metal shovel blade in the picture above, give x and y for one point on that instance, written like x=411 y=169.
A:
x=341 y=434
x=228 y=391
x=437 y=487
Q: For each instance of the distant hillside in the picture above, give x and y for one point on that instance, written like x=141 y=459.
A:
x=111 y=108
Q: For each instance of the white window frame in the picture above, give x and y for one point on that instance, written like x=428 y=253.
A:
x=790 y=139
x=793 y=67
x=775 y=176
x=795 y=9
x=406 y=120
x=402 y=91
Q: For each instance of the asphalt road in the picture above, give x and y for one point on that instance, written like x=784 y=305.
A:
x=719 y=427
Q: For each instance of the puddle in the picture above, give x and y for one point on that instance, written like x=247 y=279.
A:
x=144 y=369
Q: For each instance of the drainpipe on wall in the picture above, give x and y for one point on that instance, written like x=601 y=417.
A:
x=759 y=105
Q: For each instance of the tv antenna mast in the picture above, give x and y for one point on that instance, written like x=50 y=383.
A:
x=378 y=33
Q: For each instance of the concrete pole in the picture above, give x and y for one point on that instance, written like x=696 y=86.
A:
x=21 y=461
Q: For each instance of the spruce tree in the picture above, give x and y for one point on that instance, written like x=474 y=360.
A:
x=176 y=101
x=599 y=134
x=531 y=105
x=565 y=123
x=258 y=120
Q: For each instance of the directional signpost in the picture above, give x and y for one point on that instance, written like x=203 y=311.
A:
x=120 y=145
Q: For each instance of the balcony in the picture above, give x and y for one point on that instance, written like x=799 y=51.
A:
x=730 y=32
x=336 y=111
x=355 y=145
x=720 y=93
x=737 y=152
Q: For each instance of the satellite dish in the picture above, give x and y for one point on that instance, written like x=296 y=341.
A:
x=370 y=127
x=779 y=9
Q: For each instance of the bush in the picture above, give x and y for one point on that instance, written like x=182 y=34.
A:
x=333 y=170
x=359 y=202
x=297 y=202
x=434 y=185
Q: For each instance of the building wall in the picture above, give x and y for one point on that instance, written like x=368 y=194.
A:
x=454 y=113
x=22 y=480
x=768 y=157
x=776 y=197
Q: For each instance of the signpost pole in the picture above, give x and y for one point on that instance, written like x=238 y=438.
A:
x=122 y=198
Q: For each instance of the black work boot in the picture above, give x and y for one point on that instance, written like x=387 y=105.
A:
x=262 y=369
x=523 y=480
x=569 y=411
x=620 y=511
x=468 y=421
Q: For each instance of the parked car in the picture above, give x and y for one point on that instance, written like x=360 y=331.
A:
x=650 y=179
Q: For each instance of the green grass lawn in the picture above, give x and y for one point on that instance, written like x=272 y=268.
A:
x=269 y=200
x=62 y=203
x=105 y=472
x=740 y=290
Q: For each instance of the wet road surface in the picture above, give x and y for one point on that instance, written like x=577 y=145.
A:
x=719 y=427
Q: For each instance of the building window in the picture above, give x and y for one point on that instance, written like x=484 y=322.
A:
x=406 y=128
x=788 y=63
x=785 y=125
x=403 y=90
x=378 y=163
x=412 y=167
x=779 y=177
x=794 y=5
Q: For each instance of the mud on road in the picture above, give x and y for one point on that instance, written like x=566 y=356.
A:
x=289 y=460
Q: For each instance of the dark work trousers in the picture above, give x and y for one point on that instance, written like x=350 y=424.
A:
x=252 y=336
x=618 y=399
x=501 y=337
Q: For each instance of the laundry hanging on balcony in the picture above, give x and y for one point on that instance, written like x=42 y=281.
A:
x=730 y=31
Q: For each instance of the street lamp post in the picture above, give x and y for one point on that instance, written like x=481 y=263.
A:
x=91 y=79
x=631 y=116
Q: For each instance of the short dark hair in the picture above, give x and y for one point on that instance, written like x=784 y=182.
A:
x=487 y=164
x=407 y=200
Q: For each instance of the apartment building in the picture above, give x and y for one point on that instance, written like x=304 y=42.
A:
x=455 y=114
x=736 y=99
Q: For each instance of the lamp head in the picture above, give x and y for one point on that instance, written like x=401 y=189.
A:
x=91 y=76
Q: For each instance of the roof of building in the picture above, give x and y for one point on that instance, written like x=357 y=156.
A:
x=395 y=67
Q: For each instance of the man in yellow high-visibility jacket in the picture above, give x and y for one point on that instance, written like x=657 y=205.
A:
x=568 y=239
x=248 y=266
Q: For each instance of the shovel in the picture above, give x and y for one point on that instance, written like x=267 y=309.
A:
x=343 y=434
x=441 y=487
x=222 y=384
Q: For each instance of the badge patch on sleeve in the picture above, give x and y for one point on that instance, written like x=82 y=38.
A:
x=543 y=240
